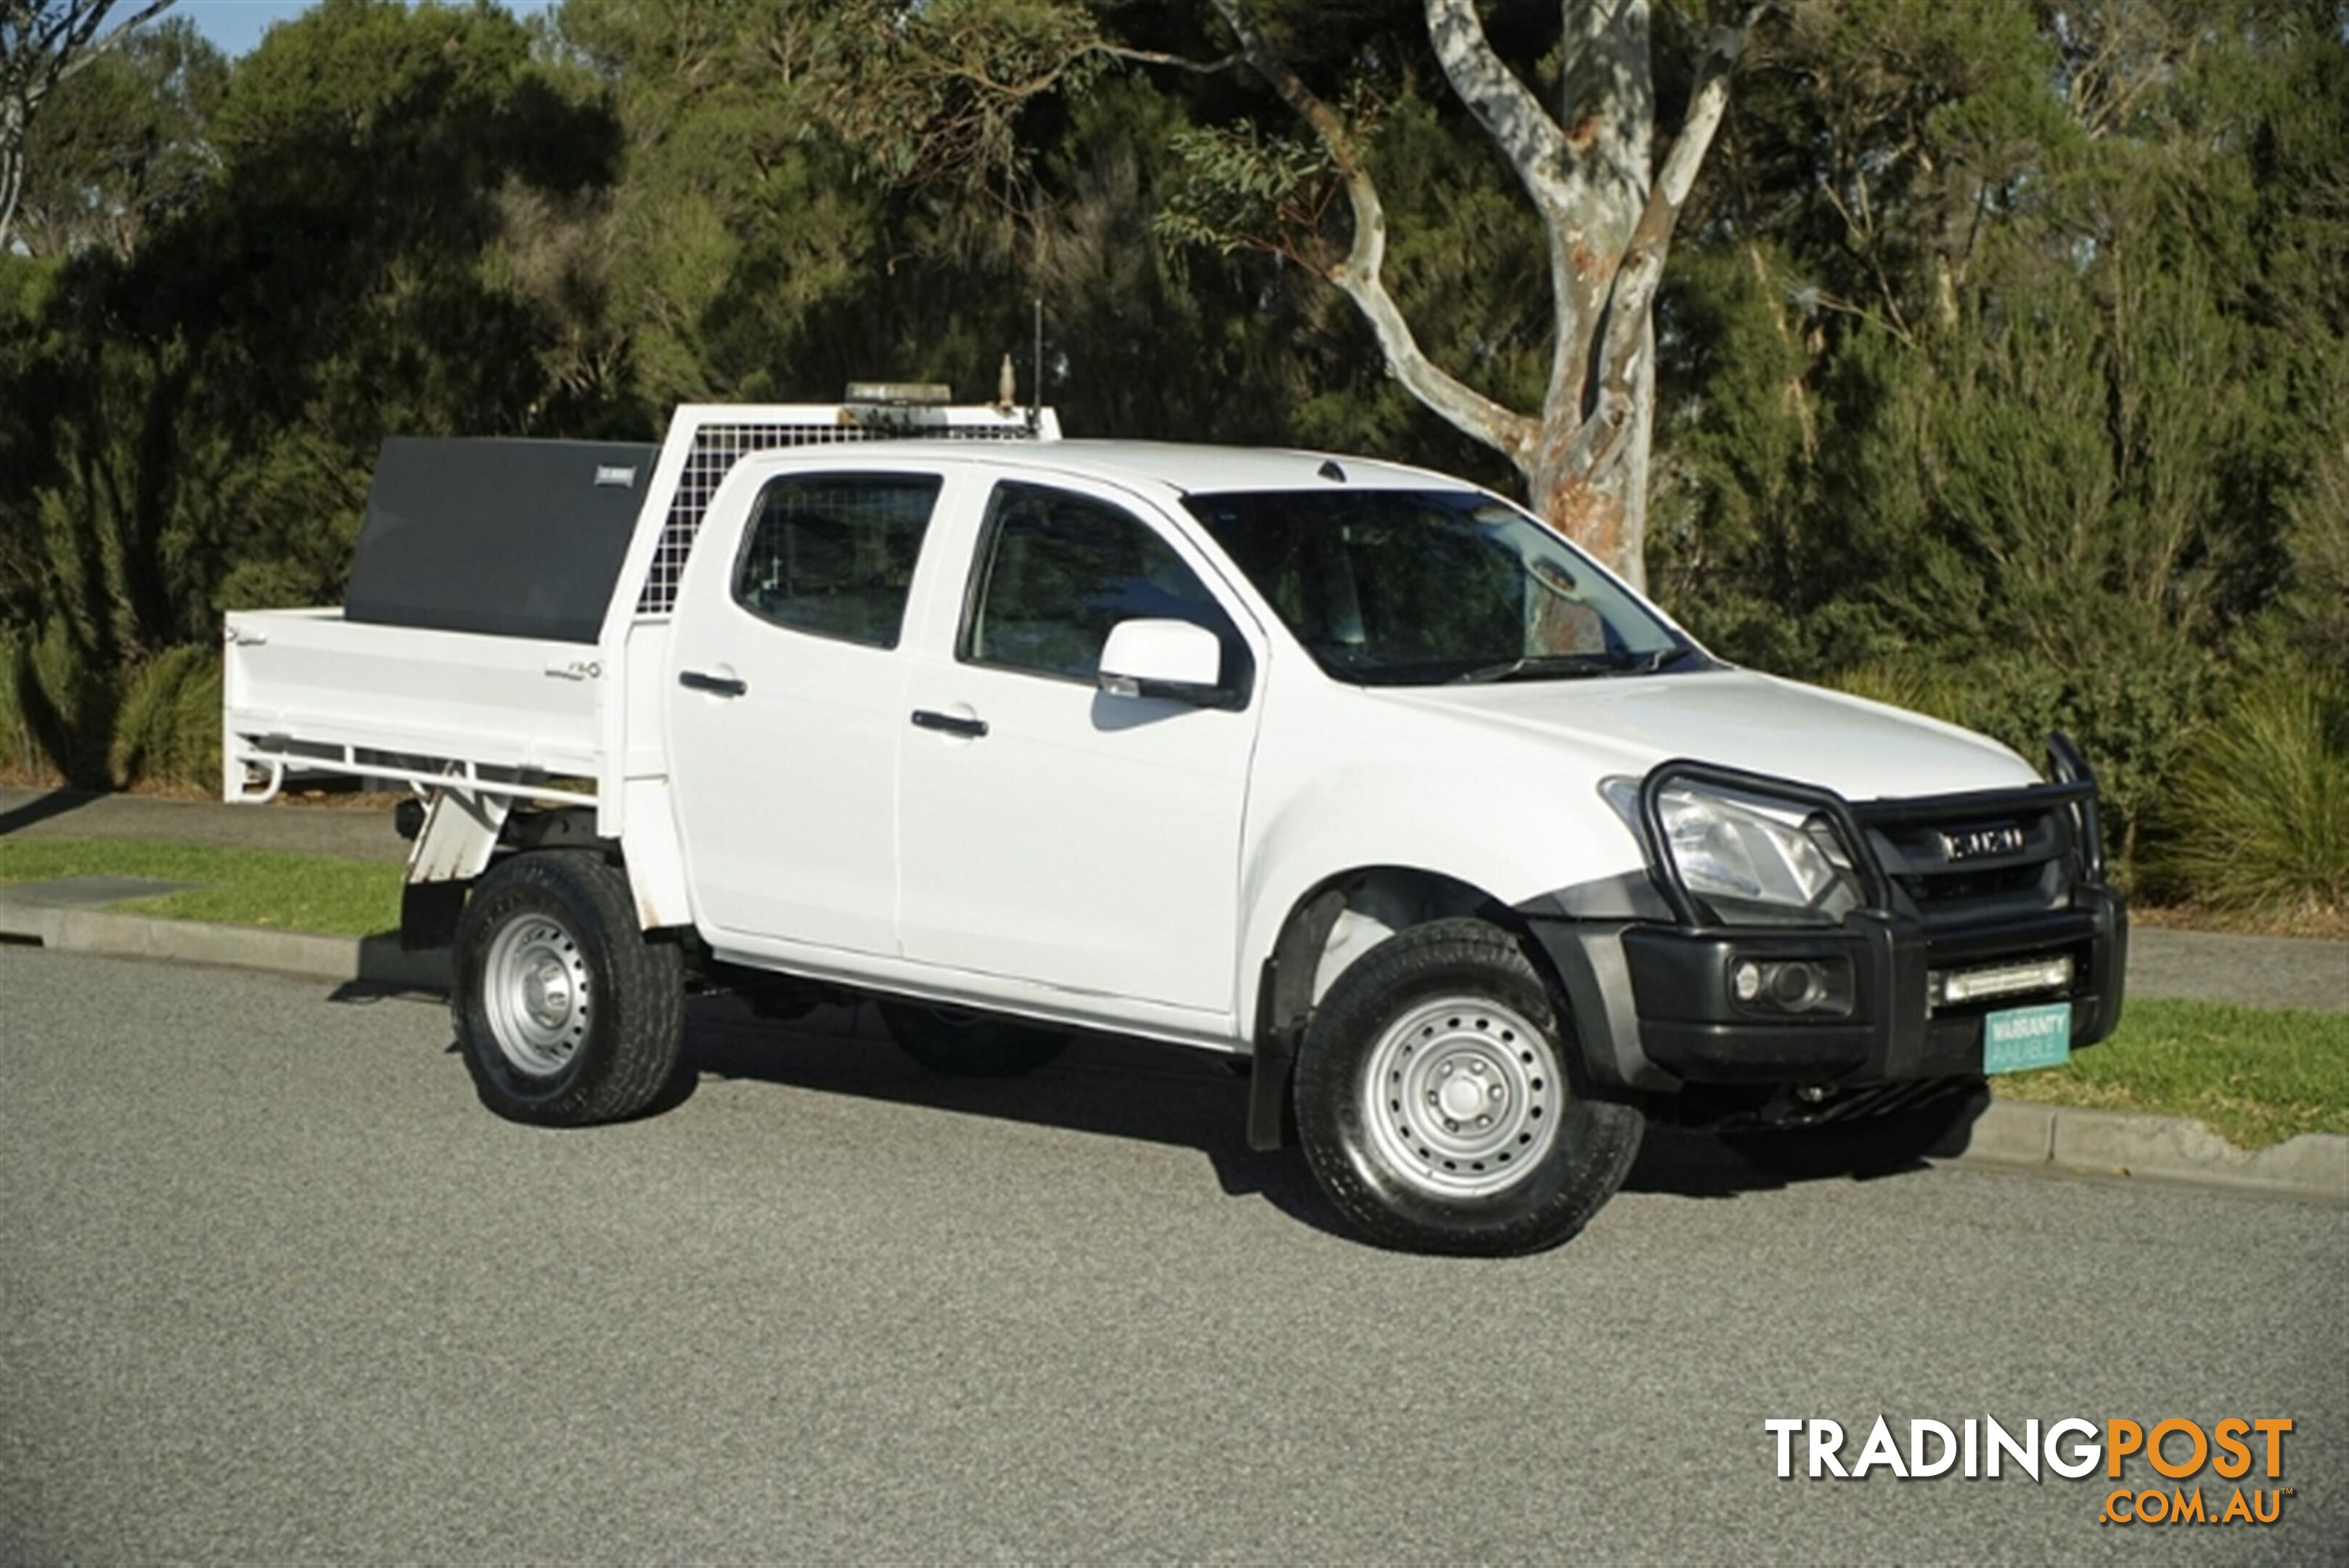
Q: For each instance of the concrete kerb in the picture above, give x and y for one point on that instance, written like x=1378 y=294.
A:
x=2168 y=1148
x=2012 y=1134
x=373 y=960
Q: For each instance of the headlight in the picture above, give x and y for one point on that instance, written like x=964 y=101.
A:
x=1749 y=859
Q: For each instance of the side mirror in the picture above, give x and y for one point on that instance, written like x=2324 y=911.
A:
x=1173 y=659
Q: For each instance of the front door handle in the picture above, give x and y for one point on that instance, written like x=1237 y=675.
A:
x=949 y=723
x=716 y=685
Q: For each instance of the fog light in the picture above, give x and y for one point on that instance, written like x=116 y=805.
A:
x=1800 y=987
x=1796 y=986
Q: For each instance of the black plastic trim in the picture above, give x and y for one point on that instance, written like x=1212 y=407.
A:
x=1651 y=1008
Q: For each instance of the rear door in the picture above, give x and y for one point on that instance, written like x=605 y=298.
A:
x=789 y=706
x=1050 y=834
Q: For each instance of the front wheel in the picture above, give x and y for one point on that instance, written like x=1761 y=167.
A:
x=566 y=1013
x=1438 y=1104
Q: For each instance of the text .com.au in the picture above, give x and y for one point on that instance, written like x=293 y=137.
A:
x=2162 y=1466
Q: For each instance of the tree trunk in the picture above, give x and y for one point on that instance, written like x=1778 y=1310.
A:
x=12 y=169
x=1608 y=207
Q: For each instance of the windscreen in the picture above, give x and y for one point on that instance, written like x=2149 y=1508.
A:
x=1402 y=587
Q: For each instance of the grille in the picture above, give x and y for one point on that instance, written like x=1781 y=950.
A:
x=1916 y=852
x=717 y=447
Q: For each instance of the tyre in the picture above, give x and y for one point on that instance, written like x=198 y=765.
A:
x=566 y=1015
x=1862 y=1146
x=965 y=1045
x=1440 y=1103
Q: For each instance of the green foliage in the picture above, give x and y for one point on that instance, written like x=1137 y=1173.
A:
x=2259 y=819
x=2255 y=1076
x=168 y=727
x=21 y=756
x=65 y=706
x=1997 y=414
x=122 y=144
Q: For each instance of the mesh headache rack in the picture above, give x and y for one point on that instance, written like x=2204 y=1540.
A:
x=723 y=435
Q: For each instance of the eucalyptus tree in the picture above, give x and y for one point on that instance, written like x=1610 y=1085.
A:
x=42 y=43
x=1605 y=184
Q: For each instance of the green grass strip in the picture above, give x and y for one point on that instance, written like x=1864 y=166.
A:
x=2256 y=1076
x=239 y=886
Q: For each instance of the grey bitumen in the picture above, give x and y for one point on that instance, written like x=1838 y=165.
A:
x=2261 y=971
x=273 y=1286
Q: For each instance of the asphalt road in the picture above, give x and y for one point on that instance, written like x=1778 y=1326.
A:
x=273 y=1285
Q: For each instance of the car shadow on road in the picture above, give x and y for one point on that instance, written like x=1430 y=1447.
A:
x=1109 y=1085
x=1114 y=1085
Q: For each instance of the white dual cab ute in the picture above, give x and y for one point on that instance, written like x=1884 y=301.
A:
x=1353 y=772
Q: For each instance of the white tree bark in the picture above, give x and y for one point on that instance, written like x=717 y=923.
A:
x=1607 y=210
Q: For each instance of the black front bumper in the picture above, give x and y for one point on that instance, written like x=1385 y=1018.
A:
x=1653 y=1008
x=1648 y=978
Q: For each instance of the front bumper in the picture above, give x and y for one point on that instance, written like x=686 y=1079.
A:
x=1649 y=981
x=1653 y=1007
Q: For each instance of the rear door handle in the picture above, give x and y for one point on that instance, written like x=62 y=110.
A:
x=949 y=723
x=716 y=685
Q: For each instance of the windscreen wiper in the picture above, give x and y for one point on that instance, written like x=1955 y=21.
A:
x=1538 y=666
x=1571 y=666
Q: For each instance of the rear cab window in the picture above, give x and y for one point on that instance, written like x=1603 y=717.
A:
x=832 y=555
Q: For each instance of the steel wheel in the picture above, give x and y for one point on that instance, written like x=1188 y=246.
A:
x=538 y=992
x=1462 y=1095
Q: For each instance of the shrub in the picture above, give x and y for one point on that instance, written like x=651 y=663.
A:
x=167 y=730
x=20 y=757
x=2258 y=819
x=64 y=706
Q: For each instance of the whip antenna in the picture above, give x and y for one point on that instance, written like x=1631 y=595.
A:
x=1036 y=386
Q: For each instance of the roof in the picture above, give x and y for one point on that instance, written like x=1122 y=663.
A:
x=1191 y=469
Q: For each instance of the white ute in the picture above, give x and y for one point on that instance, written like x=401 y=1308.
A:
x=1351 y=769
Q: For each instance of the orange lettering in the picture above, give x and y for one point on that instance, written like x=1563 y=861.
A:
x=2273 y=1431
x=2123 y=1438
x=2175 y=1471
x=2234 y=1461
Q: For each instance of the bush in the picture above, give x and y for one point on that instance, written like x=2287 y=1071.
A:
x=65 y=706
x=2258 y=819
x=20 y=757
x=167 y=730
x=156 y=722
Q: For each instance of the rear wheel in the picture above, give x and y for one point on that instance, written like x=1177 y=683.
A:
x=1860 y=1146
x=965 y=1045
x=565 y=1013
x=1439 y=1105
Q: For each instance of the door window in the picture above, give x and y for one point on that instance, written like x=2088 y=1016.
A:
x=832 y=555
x=1056 y=571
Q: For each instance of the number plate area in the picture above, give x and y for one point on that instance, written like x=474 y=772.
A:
x=2020 y=1038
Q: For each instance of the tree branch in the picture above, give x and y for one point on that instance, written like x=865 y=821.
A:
x=1180 y=62
x=1359 y=275
x=1537 y=149
x=85 y=51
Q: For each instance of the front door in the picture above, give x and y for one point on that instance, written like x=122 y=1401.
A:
x=785 y=725
x=1047 y=832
